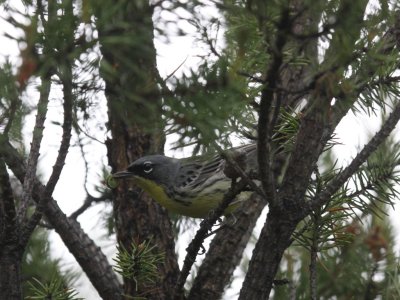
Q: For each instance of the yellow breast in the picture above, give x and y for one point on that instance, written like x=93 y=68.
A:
x=199 y=207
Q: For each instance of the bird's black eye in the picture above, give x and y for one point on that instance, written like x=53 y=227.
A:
x=147 y=167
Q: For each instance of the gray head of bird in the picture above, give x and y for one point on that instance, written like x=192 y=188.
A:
x=158 y=168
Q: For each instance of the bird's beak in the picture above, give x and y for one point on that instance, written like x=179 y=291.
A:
x=122 y=174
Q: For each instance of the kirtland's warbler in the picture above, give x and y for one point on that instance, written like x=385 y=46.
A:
x=190 y=186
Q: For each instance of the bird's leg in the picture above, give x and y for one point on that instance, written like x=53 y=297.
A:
x=222 y=224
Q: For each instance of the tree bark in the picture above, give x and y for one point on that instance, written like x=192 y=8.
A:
x=10 y=274
x=10 y=252
x=226 y=251
x=135 y=123
x=274 y=239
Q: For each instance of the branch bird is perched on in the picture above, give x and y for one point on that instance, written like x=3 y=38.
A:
x=190 y=186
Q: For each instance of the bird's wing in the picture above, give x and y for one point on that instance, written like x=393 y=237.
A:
x=195 y=171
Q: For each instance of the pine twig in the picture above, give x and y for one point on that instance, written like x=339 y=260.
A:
x=86 y=204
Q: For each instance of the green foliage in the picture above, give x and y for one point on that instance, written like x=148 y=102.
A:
x=351 y=235
x=375 y=182
x=326 y=227
x=12 y=109
x=38 y=265
x=286 y=129
x=392 y=289
x=245 y=42
x=139 y=263
x=209 y=105
x=359 y=260
x=54 y=290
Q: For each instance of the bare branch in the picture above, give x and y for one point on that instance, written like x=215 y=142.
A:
x=86 y=204
x=37 y=136
x=80 y=145
x=80 y=129
x=66 y=78
x=210 y=41
x=65 y=75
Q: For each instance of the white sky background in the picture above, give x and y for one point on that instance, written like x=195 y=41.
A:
x=69 y=193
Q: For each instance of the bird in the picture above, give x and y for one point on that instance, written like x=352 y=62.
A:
x=192 y=186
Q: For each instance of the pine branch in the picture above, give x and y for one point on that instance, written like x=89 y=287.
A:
x=233 y=161
x=368 y=149
x=362 y=78
x=34 y=152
